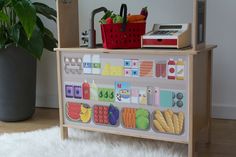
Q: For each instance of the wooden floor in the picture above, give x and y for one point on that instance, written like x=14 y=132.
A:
x=223 y=132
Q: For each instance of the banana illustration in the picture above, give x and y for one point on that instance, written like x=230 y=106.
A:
x=85 y=117
x=83 y=109
x=85 y=114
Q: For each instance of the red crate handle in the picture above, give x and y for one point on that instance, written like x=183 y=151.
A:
x=123 y=9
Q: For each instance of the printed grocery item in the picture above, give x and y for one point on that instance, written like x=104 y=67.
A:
x=134 y=63
x=135 y=72
x=150 y=95
x=146 y=68
x=86 y=90
x=106 y=94
x=127 y=63
x=122 y=92
x=128 y=72
x=93 y=91
x=135 y=118
x=96 y=64
x=169 y=122
x=166 y=98
x=78 y=93
x=143 y=96
x=69 y=91
x=73 y=111
x=87 y=64
x=106 y=115
x=110 y=70
x=171 y=69
x=180 y=69
x=78 y=112
x=131 y=67
x=156 y=96
x=161 y=69
x=178 y=99
x=86 y=113
x=134 y=95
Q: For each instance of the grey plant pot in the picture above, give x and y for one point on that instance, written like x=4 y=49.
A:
x=17 y=84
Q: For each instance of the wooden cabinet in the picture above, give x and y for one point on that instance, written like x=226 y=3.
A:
x=146 y=103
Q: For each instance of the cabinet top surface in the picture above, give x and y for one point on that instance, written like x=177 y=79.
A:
x=139 y=51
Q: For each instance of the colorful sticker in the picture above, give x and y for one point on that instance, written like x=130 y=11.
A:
x=168 y=122
x=166 y=98
x=78 y=112
x=143 y=96
x=135 y=118
x=69 y=91
x=106 y=94
x=146 y=68
x=134 y=95
x=78 y=92
x=122 y=92
x=106 y=115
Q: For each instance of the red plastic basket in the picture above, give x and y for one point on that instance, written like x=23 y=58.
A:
x=114 y=38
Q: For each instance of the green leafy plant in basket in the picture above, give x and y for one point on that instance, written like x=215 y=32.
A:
x=21 y=26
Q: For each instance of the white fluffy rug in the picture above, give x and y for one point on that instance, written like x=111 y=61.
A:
x=47 y=143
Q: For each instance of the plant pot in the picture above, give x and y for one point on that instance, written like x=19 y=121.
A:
x=17 y=84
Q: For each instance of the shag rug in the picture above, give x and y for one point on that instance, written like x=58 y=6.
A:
x=47 y=143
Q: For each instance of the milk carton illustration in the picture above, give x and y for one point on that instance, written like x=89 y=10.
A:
x=96 y=64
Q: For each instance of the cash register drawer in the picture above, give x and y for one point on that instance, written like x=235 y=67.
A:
x=159 y=42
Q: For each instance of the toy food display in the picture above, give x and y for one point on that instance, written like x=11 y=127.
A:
x=73 y=111
x=168 y=122
x=135 y=118
x=107 y=115
x=78 y=112
x=106 y=94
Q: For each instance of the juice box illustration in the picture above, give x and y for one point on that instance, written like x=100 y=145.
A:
x=87 y=64
x=150 y=95
x=171 y=69
x=96 y=64
x=93 y=91
x=134 y=95
x=143 y=96
x=180 y=69
x=122 y=92
x=86 y=90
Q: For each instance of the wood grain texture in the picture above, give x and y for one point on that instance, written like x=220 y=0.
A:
x=168 y=52
x=68 y=24
x=64 y=131
x=43 y=118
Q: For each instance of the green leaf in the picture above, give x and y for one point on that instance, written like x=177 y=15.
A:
x=4 y=17
x=15 y=32
x=48 y=38
x=3 y=38
x=49 y=41
x=2 y=3
x=35 y=45
x=26 y=13
x=40 y=24
x=45 y=10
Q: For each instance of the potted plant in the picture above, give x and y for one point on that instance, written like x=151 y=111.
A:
x=23 y=37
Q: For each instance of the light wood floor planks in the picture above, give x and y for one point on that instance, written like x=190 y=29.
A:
x=223 y=132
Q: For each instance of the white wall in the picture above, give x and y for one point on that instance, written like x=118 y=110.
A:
x=221 y=25
x=221 y=30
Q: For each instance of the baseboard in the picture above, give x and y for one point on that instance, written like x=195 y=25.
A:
x=224 y=111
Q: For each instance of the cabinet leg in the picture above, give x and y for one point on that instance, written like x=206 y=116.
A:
x=209 y=100
x=64 y=133
x=192 y=150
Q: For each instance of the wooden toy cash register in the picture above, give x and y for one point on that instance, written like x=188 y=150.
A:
x=159 y=94
x=168 y=36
